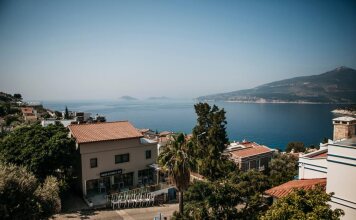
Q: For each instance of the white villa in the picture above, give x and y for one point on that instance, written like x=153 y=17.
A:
x=336 y=161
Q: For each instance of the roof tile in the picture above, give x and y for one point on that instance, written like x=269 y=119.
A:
x=86 y=133
x=250 y=149
x=286 y=188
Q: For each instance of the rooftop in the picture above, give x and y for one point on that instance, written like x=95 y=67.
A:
x=286 y=188
x=165 y=133
x=27 y=110
x=247 y=149
x=144 y=130
x=319 y=154
x=107 y=131
x=345 y=118
x=323 y=155
x=347 y=142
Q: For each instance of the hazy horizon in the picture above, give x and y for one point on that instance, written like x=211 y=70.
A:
x=91 y=50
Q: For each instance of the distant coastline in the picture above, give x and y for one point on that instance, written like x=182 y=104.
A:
x=333 y=87
x=280 y=102
x=273 y=102
x=344 y=112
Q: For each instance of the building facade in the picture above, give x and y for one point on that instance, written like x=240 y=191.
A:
x=341 y=163
x=313 y=165
x=249 y=155
x=113 y=156
x=29 y=113
x=334 y=163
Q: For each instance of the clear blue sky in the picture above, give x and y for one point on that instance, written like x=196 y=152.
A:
x=76 y=49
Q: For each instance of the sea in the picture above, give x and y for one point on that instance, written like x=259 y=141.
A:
x=273 y=125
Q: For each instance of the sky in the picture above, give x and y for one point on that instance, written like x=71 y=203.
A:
x=82 y=49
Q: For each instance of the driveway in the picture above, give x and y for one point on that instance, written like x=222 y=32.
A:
x=122 y=214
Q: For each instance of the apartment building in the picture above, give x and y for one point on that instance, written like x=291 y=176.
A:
x=113 y=156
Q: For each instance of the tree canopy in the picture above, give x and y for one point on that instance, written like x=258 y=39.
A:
x=302 y=205
x=296 y=147
x=23 y=197
x=238 y=196
x=18 y=96
x=210 y=140
x=282 y=168
x=211 y=200
x=250 y=185
x=44 y=151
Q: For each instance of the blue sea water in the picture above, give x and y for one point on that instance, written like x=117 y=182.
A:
x=273 y=125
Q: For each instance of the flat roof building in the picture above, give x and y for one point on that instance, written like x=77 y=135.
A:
x=334 y=164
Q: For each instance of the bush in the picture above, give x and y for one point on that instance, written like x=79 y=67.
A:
x=23 y=197
x=296 y=147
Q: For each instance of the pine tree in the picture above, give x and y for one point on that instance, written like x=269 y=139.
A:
x=210 y=139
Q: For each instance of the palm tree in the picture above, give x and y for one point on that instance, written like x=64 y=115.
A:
x=176 y=161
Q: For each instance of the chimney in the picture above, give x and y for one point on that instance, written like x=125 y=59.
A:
x=344 y=128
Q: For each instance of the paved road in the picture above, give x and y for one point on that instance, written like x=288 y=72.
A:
x=124 y=214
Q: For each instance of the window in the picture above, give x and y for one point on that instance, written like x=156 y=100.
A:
x=148 y=154
x=128 y=179
x=122 y=158
x=145 y=176
x=123 y=180
x=93 y=162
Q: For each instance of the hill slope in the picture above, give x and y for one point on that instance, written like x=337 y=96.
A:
x=336 y=86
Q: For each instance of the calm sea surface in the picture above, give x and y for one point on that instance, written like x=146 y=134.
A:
x=271 y=124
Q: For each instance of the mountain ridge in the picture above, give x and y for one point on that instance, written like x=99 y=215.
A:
x=335 y=86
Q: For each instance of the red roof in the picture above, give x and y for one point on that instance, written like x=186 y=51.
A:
x=286 y=188
x=250 y=149
x=323 y=155
x=107 y=131
x=318 y=154
x=27 y=110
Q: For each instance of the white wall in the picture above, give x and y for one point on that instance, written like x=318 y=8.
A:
x=310 y=168
x=342 y=178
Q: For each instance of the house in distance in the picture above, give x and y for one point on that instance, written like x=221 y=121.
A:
x=249 y=155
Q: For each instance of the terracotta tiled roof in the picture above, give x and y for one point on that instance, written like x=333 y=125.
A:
x=323 y=155
x=27 y=110
x=286 y=188
x=250 y=149
x=317 y=154
x=85 y=133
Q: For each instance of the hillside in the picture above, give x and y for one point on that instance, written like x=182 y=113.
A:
x=336 y=86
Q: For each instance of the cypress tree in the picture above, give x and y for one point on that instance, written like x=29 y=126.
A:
x=66 y=113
